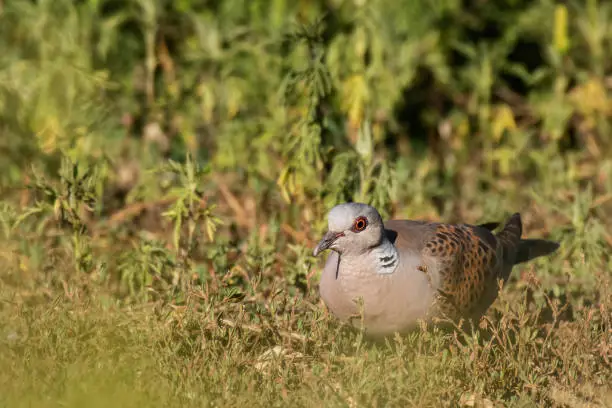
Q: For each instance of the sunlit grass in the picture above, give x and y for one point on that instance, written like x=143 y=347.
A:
x=284 y=351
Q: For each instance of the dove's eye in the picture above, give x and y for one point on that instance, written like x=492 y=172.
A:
x=360 y=224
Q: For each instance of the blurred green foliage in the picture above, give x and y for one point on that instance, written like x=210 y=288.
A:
x=181 y=149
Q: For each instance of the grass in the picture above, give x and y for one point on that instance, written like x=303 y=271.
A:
x=74 y=352
x=278 y=349
x=167 y=169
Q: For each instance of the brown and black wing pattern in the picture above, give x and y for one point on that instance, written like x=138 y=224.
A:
x=471 y=260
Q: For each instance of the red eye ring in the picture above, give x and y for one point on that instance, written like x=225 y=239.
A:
x=360 y=224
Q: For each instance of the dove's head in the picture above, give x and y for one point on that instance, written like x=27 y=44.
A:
x=352 y=227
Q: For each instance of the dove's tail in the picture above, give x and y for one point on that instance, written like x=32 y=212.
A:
x=517 y=250
x=529 y=249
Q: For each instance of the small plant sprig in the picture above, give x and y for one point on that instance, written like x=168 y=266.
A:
x=69 y=202
x=147 y=264
x=191 y=208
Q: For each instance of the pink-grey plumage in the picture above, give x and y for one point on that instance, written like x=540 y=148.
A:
x=405 y=270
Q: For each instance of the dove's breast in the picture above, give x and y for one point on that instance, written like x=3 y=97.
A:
x=391 y=302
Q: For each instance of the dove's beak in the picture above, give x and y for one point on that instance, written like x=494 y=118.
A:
x=327 y=241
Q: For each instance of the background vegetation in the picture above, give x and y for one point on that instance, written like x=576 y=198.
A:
x=167 y=167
